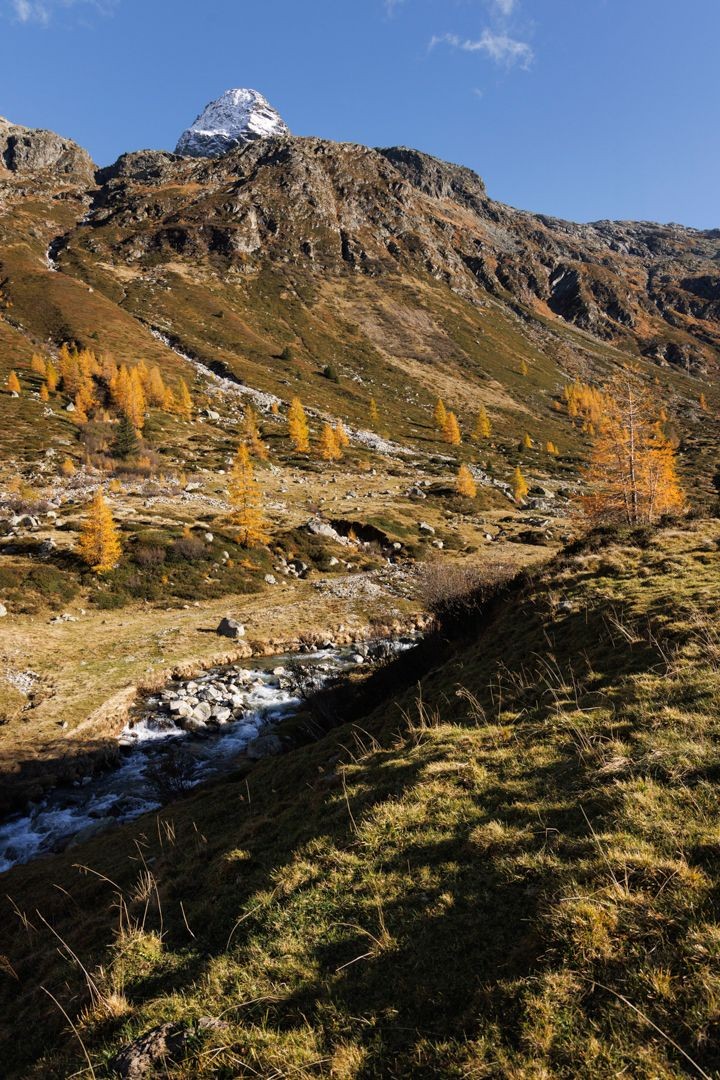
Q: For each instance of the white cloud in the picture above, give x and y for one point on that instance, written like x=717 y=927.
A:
x=41 y=11
x=498 y=46
x=505 y=7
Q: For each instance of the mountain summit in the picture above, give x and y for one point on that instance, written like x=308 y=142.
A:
x=235 y=119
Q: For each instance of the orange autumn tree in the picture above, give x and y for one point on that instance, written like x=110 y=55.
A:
x=451 y=430
x=246 y=499
x=440 y=414
x=632 y=476
x=251 y=434
x=99 y=544
x=298 y=426
x=465 y=483
x=483 y=427
x=329 y=446
x=184 y=401
x=519 y=485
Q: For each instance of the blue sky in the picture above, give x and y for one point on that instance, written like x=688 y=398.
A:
x=581 y=108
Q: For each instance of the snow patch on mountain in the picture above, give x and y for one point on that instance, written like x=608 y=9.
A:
x=235 y=119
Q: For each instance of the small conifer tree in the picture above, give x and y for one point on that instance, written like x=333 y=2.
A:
x=343 y=439
x=373 y=413
x=169 y=402
x=298 y=427
x=245 y=497
x=527 y=443
x=451 y=430
x=51 y=377
x=126 y=444
x=329 y=448
x=483 y=427
x=519 y=486
x=44 y=395
x=155 y=389
x=465 y=483
x=251 y=434
x=37 y=364
x=524 y=369
x=13 y=384
x=84 y=401
x=136 y=404
x=184 y=401
x=440 y=415
x=99 y=545
x=68 y=467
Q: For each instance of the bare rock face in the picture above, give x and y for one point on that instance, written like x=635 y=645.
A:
x=235 y=119
x=28 y=150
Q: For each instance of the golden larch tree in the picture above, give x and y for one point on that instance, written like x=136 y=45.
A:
x=524 y=369
x=169 y=403
x=37 y=364
x=440 y=415
x=343 y=439
x=298 y=426
x=137 y=404
x=155 y=389
x=184 y=404
x=70 y=373
x=527 y=443
x=520 y=488
x=43 y=394
x=13 y=384
x=85 y=401
x=51 y=377
x=99 y=545
x=246 y=499
x=483 y=427
x=451 y=430
x=329 y=448
x=632 y=476
x=373 y=413
x=251 y=434
x=465 y=483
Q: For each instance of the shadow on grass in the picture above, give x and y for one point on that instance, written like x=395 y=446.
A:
x=429 y=939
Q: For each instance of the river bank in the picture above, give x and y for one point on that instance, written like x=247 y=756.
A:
x=191 y=730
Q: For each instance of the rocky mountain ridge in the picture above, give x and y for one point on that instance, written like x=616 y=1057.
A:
x=650 y=287
x=651 y=290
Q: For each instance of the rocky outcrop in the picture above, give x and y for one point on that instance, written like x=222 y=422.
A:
x=26 y=151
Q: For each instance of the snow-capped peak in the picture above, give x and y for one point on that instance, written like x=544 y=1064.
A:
x=236 y=118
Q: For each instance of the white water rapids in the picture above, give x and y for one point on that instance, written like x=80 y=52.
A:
x=152 y=745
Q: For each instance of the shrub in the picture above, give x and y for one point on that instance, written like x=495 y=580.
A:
x=188 y=549
x=450 y=590
x=149 y=557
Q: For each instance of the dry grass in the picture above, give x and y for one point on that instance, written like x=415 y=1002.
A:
x=513 y=874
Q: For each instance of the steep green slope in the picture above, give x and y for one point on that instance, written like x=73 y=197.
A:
x=509 y=870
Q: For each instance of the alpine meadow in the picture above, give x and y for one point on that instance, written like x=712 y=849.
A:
x=359 y=571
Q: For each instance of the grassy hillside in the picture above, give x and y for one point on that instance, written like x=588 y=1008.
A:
x=510 y=869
